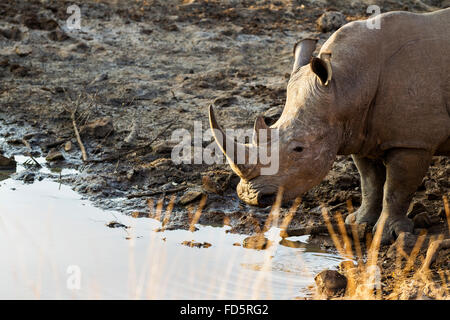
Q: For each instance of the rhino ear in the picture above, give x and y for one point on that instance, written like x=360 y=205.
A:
x=302 y=52
x=322 y=68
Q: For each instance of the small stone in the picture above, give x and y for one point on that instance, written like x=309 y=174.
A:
x=139 y=214
x=68 y=146
x=14 y=142
x=12 y=34
x=223 y=102
x=18 y=70
x=258 y=242
x=40 y=23
x=331 y=21
x=190 y=196
x=330 y=283
x=7 y=163
x=54 y=155
x=130 y=174
x=272 y=115
x=414 y=209
x=98 y=128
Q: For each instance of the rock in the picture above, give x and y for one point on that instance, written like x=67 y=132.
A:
x=7 y=163
x=134 y=133
x=433 y=195
x=189 y=196
x=445 y=4
x=209 y=185
x=4 y=62
x=414 y=209
x=29 y=177
x=68 y=146
x=331 y=21
x=58 y=35
x=258 y=242
x=12 y=34
x=98 y=128
x=140 y=214
x=130 y=174
x=422 y=220
x=115 y=224
x=160 y=162
x=14 y=142
x=54 y=155
x=331 y=283
x=18 y=70
x=40 y=23
x=223 y=102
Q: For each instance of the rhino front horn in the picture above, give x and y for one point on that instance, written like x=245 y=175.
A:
x=233 y=150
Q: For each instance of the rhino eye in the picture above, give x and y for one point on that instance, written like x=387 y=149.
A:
x=298 y=149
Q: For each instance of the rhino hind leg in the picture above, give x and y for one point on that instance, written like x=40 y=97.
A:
x=405 y=169
x=373 y=176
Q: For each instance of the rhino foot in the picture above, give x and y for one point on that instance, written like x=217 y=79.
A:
x=362 y=216
x=393 y=226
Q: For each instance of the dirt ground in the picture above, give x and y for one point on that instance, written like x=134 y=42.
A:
x=138 y=70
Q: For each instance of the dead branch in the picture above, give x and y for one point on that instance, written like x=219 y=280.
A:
x=75 y=128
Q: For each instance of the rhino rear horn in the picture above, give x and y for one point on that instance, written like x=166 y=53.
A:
x=302 y=52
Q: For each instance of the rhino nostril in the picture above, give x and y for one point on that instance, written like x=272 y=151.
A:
x=265 y=200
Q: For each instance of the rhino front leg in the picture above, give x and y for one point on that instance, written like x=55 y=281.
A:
x=373 y=176
x=405 y=169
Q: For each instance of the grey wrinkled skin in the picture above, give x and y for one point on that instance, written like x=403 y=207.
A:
x=381 y=95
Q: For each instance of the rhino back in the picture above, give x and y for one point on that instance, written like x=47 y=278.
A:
x=393 y=84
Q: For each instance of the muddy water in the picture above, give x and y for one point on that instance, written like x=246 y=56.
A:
x=54 y=244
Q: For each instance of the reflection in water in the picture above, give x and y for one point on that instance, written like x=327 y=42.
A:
x=5 y=174
x=51 y=240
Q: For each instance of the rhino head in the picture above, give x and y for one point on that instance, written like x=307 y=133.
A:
x=308 y=134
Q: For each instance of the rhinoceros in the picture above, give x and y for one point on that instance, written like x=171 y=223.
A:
x=379 y=95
